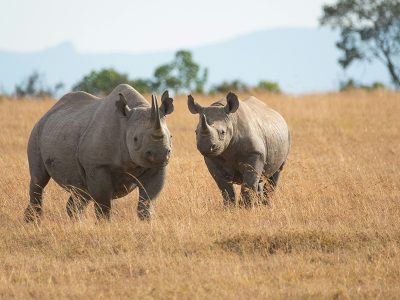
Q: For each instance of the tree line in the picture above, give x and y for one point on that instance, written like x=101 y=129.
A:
x=181 y=75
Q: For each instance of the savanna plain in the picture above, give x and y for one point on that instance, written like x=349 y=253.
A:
x=332 y=230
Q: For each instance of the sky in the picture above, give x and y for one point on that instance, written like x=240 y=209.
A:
x=143 y=26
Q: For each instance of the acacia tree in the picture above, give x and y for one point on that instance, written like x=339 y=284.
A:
x=370 y=30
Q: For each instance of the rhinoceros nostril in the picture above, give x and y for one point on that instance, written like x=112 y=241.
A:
x=213 y=147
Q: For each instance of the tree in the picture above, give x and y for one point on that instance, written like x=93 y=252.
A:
x=269 y=86
x=188 y=71
x=164 y=78
x=104 y=81
x=101 y=82
x=181 y=74
x=143 y=86
x=370 y=30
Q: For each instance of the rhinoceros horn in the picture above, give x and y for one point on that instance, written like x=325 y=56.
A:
x=155 y=115
x=205 y=128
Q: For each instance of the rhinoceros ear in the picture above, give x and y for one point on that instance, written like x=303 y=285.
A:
x=122 y=105
x=167 y=105
x=194 y=108
x=232 y=103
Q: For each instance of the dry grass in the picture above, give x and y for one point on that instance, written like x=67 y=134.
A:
x=332 y=232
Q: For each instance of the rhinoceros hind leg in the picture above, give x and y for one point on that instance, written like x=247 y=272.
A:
x=275 y=177
x=75 y=206
x=267 y=188
x=263 y=194
x=39 y=179
x=273 y=180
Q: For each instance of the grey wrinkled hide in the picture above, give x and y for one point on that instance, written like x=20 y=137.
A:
x=243 y=142
x=100 y=149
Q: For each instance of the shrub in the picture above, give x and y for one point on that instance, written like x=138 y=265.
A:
x=226 y=86
x=269 y=86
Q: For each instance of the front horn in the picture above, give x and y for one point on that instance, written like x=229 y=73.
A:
x=157 y=129
x=205 y=128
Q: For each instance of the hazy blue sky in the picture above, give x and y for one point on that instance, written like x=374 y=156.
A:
x=140 y=26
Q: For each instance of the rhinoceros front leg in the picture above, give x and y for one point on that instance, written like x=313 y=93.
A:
x=251 y=171
x=222 y=179
x=99 y=183
x=150 y=186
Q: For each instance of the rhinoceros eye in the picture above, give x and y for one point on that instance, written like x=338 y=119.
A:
x=135 y=139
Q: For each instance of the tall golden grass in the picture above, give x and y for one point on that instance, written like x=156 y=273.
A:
x=333 y=230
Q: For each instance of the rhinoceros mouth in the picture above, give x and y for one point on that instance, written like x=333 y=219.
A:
x=149 y=164
x=158 y=163
x=215 y=152
x=212 y=154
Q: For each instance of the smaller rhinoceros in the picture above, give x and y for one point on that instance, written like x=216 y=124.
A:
x=100 y=149
x=243 y=142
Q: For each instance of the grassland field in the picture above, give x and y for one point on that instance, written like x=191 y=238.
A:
x=333 y=230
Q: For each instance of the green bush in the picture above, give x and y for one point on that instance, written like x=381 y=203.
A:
x=143 y=86
x=101 y=82
x=351 y=84
x=226 y=86
x=269 y=86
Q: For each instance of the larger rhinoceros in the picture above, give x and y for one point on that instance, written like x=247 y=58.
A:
x=100 y=149
x=243 y=142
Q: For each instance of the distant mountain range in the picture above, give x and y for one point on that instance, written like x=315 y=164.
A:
x=301 y=60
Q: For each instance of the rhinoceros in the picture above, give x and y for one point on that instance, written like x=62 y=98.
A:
x=100 y=149
x=243 y=142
